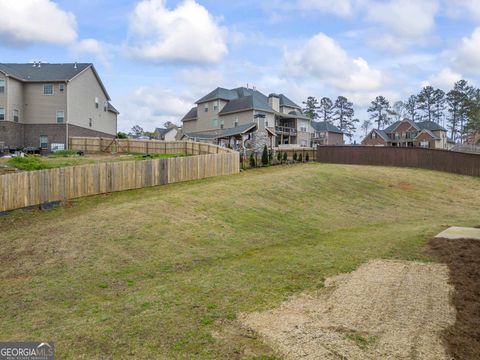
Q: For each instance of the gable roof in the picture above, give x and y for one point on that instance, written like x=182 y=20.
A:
x=222 y=133
x=325 y=126
x=49 y=72
x=429 y=133
x=218 y=93
x=191 y=115
x=251 y=102
x=285 y=101
x=430 y=125
x=392 y=127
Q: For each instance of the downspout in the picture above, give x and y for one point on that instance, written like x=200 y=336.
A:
x=67 y=118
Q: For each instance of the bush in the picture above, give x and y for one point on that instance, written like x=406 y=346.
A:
x=270 y=157
x=265 y=156
x=307 y=158
x=295 y=156
x=252 y=161
x=285 y=156
x=121 y=135
x=279 y=156
x=300 y=158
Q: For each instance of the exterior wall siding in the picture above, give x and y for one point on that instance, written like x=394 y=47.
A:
x=40 y=108
x=82 y=91
x=378 y=141
x=15 y=100
x=4 y=96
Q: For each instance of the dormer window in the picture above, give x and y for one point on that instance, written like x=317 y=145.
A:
x=47 y=89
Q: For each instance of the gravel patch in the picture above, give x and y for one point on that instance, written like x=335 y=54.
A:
x=385 y=309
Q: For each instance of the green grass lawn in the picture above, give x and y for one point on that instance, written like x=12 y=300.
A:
x=30 y=163
x=163 y=272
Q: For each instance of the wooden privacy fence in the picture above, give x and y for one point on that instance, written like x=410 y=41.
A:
x=89 y=145
x=24 y=189
x=441 y=160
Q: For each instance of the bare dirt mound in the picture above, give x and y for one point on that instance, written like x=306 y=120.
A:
x=385 y=309
x=463 y=259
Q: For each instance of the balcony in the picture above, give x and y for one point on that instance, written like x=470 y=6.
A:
x=284 y=130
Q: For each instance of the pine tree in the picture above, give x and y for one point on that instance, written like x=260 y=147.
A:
x=265 y=156
x=439 y=105
x=426 y=102
x=311 y=107
x=465 y=94
x=411 y=107
x=326 y=109
x=454 y=102
x=398 y=110
x=379 y=111
x=285 y=157
x=344 y=116
x=295 y=156
x=366 y=126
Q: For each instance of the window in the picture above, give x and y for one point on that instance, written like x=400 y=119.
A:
x=90 y=122
x=47 y=89
x=215 y=122
x=105 y=106
x=215 y=106
x=2 y=86
x=374 y=135
x=206 y=108
x=15 y=115
x=2 y=114
x=96 y=102
x=222 y=123
x=61 y=87
x=304 y=129
x=236 y=121
x=60 y=117
x=43 y=141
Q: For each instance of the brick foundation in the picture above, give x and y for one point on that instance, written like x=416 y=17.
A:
x=11 y=133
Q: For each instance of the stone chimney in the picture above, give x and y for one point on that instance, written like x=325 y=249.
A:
x=274 y=102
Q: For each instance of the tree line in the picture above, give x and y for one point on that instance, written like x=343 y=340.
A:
x=458 y=110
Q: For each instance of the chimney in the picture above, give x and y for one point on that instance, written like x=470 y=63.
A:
x=34 y=64
x=39 y=64
x=75 y=65
x=274 y=102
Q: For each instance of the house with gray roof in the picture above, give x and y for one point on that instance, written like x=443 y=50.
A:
x=233 y=117
x=407 y=133
x=43 y=104
x=325 y=133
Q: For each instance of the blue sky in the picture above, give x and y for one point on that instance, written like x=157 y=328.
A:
x=157 y=57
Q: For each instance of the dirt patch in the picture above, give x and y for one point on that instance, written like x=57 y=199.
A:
x=463 y=259
x=385 y=309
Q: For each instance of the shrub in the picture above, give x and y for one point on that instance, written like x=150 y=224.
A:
x=300 y=158
x=295 y=156
x=265 y=156
x=279 y=156
x=307 y=158
x=285 y=156
x=270 y=157
x=252 y=160
x=122 y=135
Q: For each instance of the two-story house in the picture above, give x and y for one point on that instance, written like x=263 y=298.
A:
x=43 y=104
x=406 y=133
x=325 y=133
x=230 y=117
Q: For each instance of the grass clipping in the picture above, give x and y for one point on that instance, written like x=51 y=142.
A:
x=385 y=309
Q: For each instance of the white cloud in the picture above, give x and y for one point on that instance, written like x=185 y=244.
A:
x=29 y=21
x=444 y=80
x=151 y=106
x=403 y=22
x=323 y=58
x=92 y=47
x=188 y=33
x=460 y=8
x=466 y=57
x=341 y=8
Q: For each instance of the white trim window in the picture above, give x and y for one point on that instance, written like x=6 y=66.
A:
x=16 y=115
x=61 y=87
x=47 y=89
x=215 y=122
x=96 y=102
x=236 y=121
x=60 y=117
x=90 y=122
x=2 y=86
x=206 y=107
x=2 y=114
x=105 y=106
x=222 y=123
x=43 y=142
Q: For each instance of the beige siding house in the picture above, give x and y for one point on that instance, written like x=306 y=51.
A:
x=44 y=104
x=235 y=117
